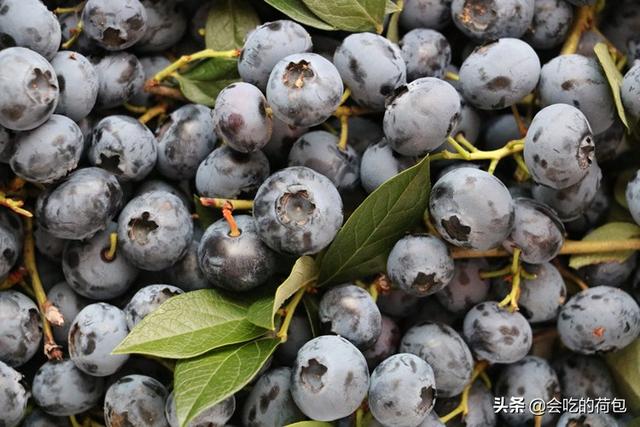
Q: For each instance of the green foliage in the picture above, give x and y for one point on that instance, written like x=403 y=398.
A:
x=203 y=83
x=614 y=77
x=610 y=231
x=625 y=366
x=228 y=23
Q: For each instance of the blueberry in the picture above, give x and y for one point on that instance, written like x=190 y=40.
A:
x=363 y=132
x=427 y=53
x=48 y=245
x=146 y=409
x=402 y=391
x=270 y=403
x=583 y=377
x=121 y=76
x=91 y=274
x=68 y=26
x=485 y=20
x=78 y=84
x=598 y=320
x=150 y=185
x=495 y=334
x=609 y=142
x=380 y=163
x=434 y=14
x=386 y=344
x=499 y=130
x=304 y=89
x=228 y=174
x=6 y=145
x=569 y=419
x=421 y=115
x=630 y=91
x=632 y=195
x=28 y=23
x=445 y=351
x=216 y=415
x=472 y=208
x=94 y=333
x=237 y=263
x=330 y=378
x=49 y=152
x=115 y=24
x=10 y=241
x=420 y=265
x=397 y=303
x=61 y=389
x=282 y=138
x=166 y=24
x=372 y=67
x=466 y=288
x=146 y=301
x=551 y=22
x=154 y=230
x=297 y=211
x=70 y=304
x=14 y=397
x=184 y=141
x=611 y=273
x=29 y=88
x=123 y=146
x=592 y=215
x=469 y=124
x=318 y=150
x=83 y=204
x=299 y=333
x=621 y=28
x=481 y=408
x=150 y=65
x=268 y=44
x=37 y=418
x=21 y=332
x=531 y=378
x=578 y=81
x=187 y=272
x=499 y=74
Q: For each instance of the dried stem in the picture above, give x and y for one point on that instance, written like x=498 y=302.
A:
x=220 y=203
x=227 y=213
x=14 y=205
x=581 y=23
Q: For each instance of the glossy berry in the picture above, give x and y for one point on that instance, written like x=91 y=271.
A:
x=298 y=335
x=146 y=409
x=115 y=24
x=386 y=344
x=427 y=53
x=490 y=20
x=216 y=415
x=187 y=271
x=21 y=331
x=380 y=163
x=78 y=84
x=466 y=288
x=420 y=265
x=121 y=76
x=13 y=400
x=69 y=303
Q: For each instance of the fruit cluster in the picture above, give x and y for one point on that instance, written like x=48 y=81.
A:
x=218 y=213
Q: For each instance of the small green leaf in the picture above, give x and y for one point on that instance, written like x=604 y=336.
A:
x=634 y=422
x=620 y=187
x=625 y=367
x=363 y=244
x=191 y=324
x=208 y=379
x=228 y=23
x=205 y=214
x=203 y=83
x=611 y=231
x=263 y=312
x=613 y=76
x=310 y=424
x=296 y=10
x=391 y=7
x=350 y=15
x=311 y=308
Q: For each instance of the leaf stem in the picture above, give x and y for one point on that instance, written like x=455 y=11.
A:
x=393 y=31
x=463 y=407
x=109 y=253
x=522 y=128
x=344 y=132
x=581 y=23
x=220 y=203
x=510 y=148
x=227 y=213
x=155 y=88
x=186 y=59
x=290 y=309
x=153 y=112
x=514 y=295
x=74 y=9
x=14 y=278
x=75 y=33
x=462 y=140
x=569 y=275
x=73 y=421
x=136 y=109
x=450 y=75
x=14 y=205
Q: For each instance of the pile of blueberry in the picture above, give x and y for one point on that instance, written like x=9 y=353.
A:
x=528 y=148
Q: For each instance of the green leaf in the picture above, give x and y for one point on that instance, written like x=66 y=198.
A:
x=620 y=187
x=203 y=83
x=228 y=23
x=263 y=312
x=610 y=231
x=613 y=76
x=191 y=324
x=350 y=15
x=625 y=367
x=391 y=7
x=362 y=245
x=205 y=214
x=208 y=379
x=296 y=10
x=311 y=308
x=310 y=424
x=634 y=422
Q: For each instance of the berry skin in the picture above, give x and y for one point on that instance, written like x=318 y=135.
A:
x=270 y=403
x=304 y=89
x=48 y=245
x=466 y=288
x=445 y=351
x=420 y=265
x=426 y=53
x=146 y=301
x=282 y=138
x=78 y=84
x=14 y=397
x=147 y=409
x=115 y=24
x=380 y=163
x=397 y=303
x=499 y=130
x=150 y=65
x=499 y=74
x=350 y=312
x=472 y=208
x=593 y=420
x=330 y=378
x=89 y=273
x=187 y=271
x=228 y=174
x=121 y=76
x=530 y=378
x=402 y=391
x=81 y=205
x=495 y=334
x=29 y=88
x=10 y=241
x=236 y=263
x=386 y=345
x=166 y=24
x=297 y=211
x=184 y=141
x=579 y=81
x=28 y=23
x=70 y=304
x=481 y=407
x=490 y=20
x=610 y=273
x=241 y=119
x=469 y=124
x=421 y=115
x=21 y=332
x=216 y=415
x=630 y=91
x=632 y=195
x=598 y=320
x=299 y=334
x=559 y=146
x=585 y=377
x=60 y=388
x=268 y=44
x=154 y=230
x=372 y=67
x=318 y=150
x=48 y=153
x=37 y=418
x=94 y=333
x=435 y=14
x=551 y=22
x=123 y=146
